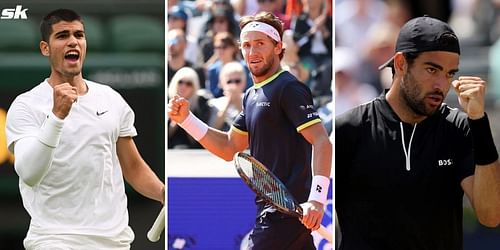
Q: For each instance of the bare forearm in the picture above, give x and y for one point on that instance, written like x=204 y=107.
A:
x=486 y=193
x=145 y=182
x=486 y=181
x=322 y=157
x=222 y=144
x=219 y=143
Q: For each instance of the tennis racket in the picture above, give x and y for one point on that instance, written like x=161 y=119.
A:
x=154 y=233
x=267 y=186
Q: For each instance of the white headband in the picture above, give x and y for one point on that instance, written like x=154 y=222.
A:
x=264 y=28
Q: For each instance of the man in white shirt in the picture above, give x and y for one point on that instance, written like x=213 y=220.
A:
x=72 y=139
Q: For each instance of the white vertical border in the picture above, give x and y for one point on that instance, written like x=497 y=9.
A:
x=165 y=115
x=332 y=135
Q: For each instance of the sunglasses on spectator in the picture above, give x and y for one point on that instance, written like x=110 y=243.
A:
x=235 y=81
x=187 y=82
x=264 y=1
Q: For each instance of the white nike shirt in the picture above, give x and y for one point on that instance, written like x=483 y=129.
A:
x=83 y=192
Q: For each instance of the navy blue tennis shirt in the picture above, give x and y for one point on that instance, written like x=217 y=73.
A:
x=274 y=113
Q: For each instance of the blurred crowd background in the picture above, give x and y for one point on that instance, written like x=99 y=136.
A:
x=366 y=31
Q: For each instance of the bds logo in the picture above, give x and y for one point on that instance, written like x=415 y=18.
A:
x=17 y=13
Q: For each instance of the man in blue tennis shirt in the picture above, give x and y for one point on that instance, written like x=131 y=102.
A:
x=283 y=131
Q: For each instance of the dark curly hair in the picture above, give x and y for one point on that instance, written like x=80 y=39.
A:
x=55 y=17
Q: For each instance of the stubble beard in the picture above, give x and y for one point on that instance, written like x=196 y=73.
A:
x=411 y=95
x=264 y=70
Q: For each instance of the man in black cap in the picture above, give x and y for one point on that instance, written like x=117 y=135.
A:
x=405 y=159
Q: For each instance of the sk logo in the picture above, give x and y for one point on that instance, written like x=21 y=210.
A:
x=318 y=188
x=17 y=13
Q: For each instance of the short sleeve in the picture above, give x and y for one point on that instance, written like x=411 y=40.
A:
x=239 y=123
x=21 y=122
x=127 y=119
x=296 y=101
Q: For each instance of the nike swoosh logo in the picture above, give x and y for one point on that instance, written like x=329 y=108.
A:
x=101 y=113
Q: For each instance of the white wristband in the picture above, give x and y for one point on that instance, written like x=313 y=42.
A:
x=194 y=126
x=51 y=130
x=319 y=188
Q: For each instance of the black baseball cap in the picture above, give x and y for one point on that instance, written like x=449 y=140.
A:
x=424 y=34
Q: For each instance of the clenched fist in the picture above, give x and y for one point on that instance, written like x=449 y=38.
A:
x=471 y=94
x=64 y=97
x=178 y=109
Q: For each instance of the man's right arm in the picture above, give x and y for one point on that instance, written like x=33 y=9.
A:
x=33 y=155
x=222 y=144
x=32 y=139
x=33 y=145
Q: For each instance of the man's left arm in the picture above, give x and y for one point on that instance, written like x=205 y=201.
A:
x=482 y=188
x=322 y=165
x=483 y=191
x=137 y=172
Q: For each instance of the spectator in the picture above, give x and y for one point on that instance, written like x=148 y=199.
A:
x=227 y=107
x=313 y=33
x=220 y=19
x=190 y=7
x=226 y=50
x=320 y=83
x=178 y=19
x=348 y=91
x=354 y=18
x=176 y=41
x=275 y=7
x=293 y=8
x=291 y=60
x=245 y=7
x=380 y=45
x=185 y=83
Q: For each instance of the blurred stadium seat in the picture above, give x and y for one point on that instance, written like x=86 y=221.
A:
x=19 y=35
x=94 y=33
x=136 y=33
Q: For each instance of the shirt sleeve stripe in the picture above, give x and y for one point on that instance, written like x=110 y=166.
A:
x=307 y=124
x=239 y=131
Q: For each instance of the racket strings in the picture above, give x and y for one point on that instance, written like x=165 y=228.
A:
x=270 y=187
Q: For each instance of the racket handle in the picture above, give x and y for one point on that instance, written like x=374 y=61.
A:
x=154 y=233
x=325 y=233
